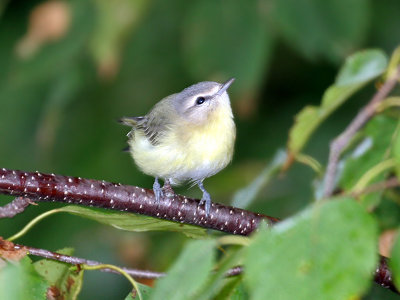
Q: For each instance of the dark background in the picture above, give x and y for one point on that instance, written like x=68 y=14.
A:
x=69 y=70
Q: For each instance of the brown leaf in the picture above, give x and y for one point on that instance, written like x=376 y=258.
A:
x=54 y=293
x=10 y=251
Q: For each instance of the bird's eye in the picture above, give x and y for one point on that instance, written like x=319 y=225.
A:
x=200 y=100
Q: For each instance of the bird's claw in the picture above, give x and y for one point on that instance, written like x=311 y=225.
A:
x=206 y=200
x=167 y=189
x=158 y=192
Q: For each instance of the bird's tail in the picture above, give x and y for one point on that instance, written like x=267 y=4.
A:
x=130 y=121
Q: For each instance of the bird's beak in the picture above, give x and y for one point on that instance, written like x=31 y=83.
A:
x=225 y=86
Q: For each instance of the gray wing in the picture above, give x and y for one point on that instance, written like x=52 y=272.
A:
x=155 y=124
x=153 y=128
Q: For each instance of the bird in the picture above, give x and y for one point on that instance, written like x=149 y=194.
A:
x=186 y=137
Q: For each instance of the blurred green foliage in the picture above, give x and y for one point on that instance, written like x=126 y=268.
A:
x=30 y=284
x=65 y=83
x=320 y=267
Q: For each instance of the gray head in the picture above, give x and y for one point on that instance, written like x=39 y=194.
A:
x=196 y=102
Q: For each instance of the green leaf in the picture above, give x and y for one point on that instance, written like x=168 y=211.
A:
x=19 y=280
x=133 y=222
x=189 y=272
x=328 y=29
x=326 y=252
x=62 y=279
x=375 y=147
x=393 y=63
x=144 y=290
x=396 y=152
x=53 y=271
x=211 y=48
x=245 y=196
x=362 y=67
x=215 y=281
x=357 y=71
x=233 y=290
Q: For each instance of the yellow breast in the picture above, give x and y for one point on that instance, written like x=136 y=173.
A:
x=189 y=151
x=210 y=142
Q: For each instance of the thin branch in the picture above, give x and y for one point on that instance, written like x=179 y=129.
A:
x=379 y=186
x=342 y=141
x=72 y=260
x=15 y=207
x=88 y=192
x=77 y=261
x=234 y=271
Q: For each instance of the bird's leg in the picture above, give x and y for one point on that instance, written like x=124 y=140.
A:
x=158 y=192
x=206 y=198
x=167 y=188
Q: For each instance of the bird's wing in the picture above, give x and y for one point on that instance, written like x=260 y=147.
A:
x=156 y=123
x=154 y=127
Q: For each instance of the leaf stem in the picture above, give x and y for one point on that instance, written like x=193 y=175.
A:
x=372 y=173
x=119 y=270
x=32 y=223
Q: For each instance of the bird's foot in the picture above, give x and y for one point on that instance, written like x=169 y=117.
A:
x=206 y=199
x=167 y=189
x=158 y=191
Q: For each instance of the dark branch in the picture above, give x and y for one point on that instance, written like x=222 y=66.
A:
x=88 y=192
x=383 y=276
x=342 y=141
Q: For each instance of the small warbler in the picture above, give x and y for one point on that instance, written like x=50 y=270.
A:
x=187 y=136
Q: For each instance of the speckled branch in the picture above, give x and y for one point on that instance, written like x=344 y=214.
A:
x=383 y=276
x=87 y=192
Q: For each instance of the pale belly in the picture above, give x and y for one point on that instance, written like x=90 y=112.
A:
x=199 y=155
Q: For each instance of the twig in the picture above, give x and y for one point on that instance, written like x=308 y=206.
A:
x=15 y=207
x=77 y=261
x=379 y=186
x=87 y=192
x=234 y=271
x=340 y=143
